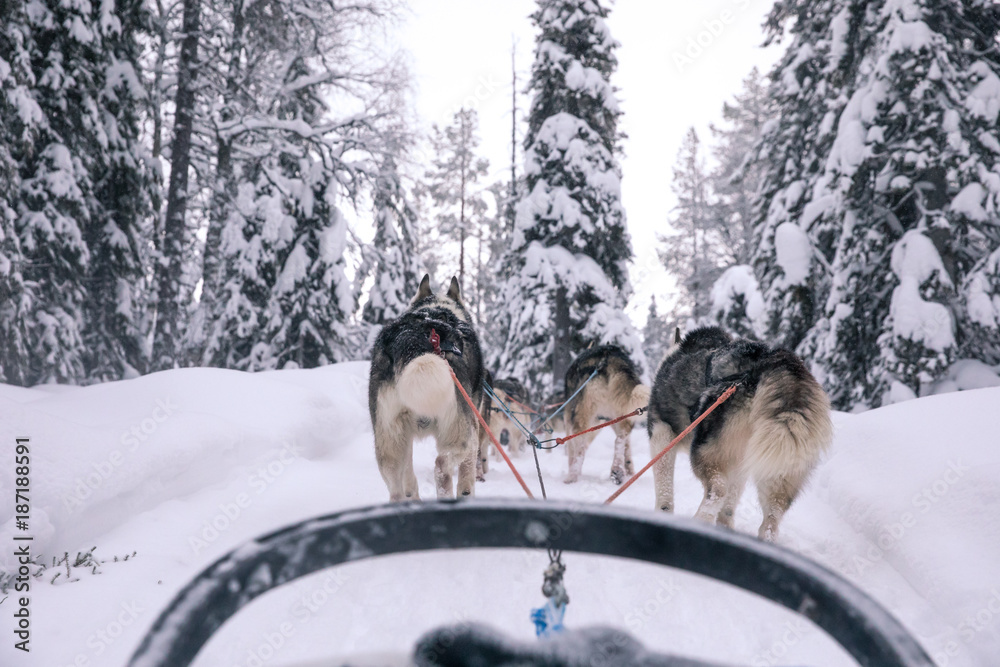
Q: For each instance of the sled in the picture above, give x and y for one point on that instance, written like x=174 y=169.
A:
x=854 y=620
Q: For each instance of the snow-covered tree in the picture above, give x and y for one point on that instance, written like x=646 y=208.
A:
x=126 y=190
x=567 y=267
x=80 y=189
x=453 y=184
x=656 y=336
x=881 y=192
x=284 y=297
x=691 y=250
x=397 y=267
x=19 y=114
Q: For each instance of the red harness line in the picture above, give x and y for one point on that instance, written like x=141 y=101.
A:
x=722 y=399
x=436 y=343
x=634 y=413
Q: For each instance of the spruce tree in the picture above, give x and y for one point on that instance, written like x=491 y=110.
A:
x=567 y=267
x=692 y=251
x=79 y=190
x=396 y=266
x=656 y=336
x=452 y=183
x=19 y=114
x=900 y=192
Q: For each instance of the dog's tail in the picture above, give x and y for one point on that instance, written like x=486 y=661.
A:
x=788 y=438
x=425 y=387
x=640 y=396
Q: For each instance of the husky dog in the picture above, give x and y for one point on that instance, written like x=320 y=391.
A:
x=411 y=393
x=773 y=429
x=513 y=394
x=614 y=391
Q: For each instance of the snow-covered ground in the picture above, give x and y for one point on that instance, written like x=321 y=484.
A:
x=182 y=466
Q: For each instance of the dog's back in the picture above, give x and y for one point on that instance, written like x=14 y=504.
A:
x=609 y=386
x=681 y=378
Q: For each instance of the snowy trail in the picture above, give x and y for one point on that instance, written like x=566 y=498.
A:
x=905 y=506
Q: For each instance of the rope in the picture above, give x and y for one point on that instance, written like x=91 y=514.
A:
x=436 y=343
x=542 y=423
x=722 y=399
x=564 y=440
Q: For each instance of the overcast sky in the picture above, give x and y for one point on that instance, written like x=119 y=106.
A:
x=678 y=62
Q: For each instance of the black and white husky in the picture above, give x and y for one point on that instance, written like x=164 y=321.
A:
x=614 y=390
x=773 y=429
x=411 y=393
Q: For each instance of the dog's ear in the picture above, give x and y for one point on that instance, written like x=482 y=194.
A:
x=424 y=290
x=454 y=292
x=677 y=335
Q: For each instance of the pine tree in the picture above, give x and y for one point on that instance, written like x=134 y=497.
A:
x=397 y=267
x=690 y=252
x=656 y=336
x=735 y=178
x=125 y=190
x=284 y=297
x=80 y=189
x=901 y=189
x=19 y=114
x=452 y=184
x=568 y=261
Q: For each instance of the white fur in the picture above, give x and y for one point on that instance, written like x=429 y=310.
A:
x=426 y=389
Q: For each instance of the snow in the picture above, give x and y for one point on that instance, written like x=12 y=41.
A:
x=915 y=260
x=183 y=466
x=969 y=202
x=739 y=281
x=984 y=98
x=793 y=252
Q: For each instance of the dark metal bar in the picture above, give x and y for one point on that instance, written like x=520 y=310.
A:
x=869 y=633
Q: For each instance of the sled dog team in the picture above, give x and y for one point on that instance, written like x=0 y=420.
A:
x=772 y=430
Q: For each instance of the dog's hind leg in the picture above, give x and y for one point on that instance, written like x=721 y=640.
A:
x=467 y=476
x=663 y=470
x=732 y=500
x=577 y=449
x=776 y=496
x=619 y=463
x=629 y=466
x=394 y=455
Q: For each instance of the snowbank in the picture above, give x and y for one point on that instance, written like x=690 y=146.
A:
x=182 y=466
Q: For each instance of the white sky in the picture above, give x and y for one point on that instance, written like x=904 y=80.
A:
x=678 y=62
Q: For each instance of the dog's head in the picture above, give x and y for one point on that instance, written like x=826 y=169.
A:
x=452 y=300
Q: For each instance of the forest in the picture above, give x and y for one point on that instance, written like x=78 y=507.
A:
x=192 y=183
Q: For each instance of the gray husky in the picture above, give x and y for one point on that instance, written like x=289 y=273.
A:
x=773 y=429
x=411 y=393
x=614 y=391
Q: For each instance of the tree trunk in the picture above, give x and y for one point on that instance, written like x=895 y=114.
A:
x=170 y=269
x=561 y=352
x=223 y=191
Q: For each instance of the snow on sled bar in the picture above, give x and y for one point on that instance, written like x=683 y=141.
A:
x=869 y=633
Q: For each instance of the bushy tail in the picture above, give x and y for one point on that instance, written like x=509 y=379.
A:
x=425 y=387
x=788 y=443
x=640 y=396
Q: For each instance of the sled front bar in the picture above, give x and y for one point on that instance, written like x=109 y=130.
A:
x=868 y=632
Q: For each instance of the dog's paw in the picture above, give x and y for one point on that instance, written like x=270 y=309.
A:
x=571 y=479
x=480 y=477
x=617 y=476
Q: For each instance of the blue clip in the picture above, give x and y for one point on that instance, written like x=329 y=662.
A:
x=548 y=620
